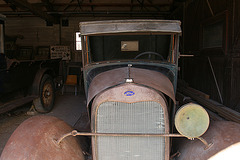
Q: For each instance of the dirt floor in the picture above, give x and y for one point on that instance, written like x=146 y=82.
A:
x=69 y=108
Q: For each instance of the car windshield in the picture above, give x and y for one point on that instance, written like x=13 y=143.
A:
x=145 y=47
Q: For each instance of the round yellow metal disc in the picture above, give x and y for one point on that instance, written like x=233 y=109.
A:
x=192 y=120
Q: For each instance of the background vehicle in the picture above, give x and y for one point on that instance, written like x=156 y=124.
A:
x=26 y=80
x=130 y=76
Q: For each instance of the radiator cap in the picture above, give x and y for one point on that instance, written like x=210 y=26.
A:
x=191 y=120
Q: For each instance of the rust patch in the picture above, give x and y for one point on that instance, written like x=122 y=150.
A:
x=36 y=139
x=152 y=79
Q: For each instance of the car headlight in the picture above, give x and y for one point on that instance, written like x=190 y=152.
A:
x=192 y=120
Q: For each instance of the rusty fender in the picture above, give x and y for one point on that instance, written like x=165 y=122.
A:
x=144 y=77
x=35 y=139
x=225 y=139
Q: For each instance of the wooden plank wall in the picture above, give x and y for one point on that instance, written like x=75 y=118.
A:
x=225 y=61
x=235 y=99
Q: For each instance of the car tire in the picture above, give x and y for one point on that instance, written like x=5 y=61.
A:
x=45 y=102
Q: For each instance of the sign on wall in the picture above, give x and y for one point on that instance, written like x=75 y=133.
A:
x=60 y=52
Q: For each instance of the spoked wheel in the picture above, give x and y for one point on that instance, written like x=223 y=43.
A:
x=45 y=102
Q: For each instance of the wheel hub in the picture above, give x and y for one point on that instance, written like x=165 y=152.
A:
x=47 y=93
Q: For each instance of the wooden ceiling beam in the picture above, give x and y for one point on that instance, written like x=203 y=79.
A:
x=67 y=5
x=95 y=12
x=91 y=6
x=131 y=7
x=113 y=4
x=13 y=7
x=142 y=5
x=156 y=7
x=48 y=5
x=34 y=10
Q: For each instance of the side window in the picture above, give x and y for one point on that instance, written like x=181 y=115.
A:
x=78 y=41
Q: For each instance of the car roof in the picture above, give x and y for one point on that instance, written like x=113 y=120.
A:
x=129 y=26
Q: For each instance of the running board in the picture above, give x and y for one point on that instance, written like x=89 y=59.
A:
x=16 y=103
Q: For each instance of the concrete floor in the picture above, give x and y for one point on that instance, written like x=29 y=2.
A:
x=69 y=108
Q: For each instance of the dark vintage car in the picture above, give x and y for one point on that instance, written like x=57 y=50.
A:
x=130 y=75
x=26 y=80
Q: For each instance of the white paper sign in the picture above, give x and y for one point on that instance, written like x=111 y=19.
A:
x=60 y=52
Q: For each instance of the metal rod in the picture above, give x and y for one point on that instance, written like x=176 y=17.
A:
x=186 y=55
x=205 y=143
x=210 y=8
x=129 y=135
x=219 y=93
x=76 y=133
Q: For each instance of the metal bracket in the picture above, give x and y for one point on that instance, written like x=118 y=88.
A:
x=207 y=145
x=129 y=79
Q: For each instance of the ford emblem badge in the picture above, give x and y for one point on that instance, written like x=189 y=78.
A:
x=129 y=93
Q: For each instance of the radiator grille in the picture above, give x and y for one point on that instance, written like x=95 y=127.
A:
x=141 y=117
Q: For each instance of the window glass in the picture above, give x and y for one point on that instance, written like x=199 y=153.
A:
x=120 y=47
x=78 y=41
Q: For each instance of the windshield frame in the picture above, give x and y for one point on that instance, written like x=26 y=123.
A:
x=172 y=56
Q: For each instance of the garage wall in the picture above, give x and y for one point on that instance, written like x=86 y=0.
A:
x=211 y=30
x=33 y=32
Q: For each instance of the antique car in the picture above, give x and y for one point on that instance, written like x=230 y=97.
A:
x=23 y=80
x=130 y=75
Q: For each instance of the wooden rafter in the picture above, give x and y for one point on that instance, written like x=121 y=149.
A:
x=117 y=4
x=142 y=5
x=51 y=10
x=79 y=3
x=48 y=5
x=91 y=5
x=13 y=7
x=131 y=9
x=68 y=5
x=35 y=10
x=156 y=7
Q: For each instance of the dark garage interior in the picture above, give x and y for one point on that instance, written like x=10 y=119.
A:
x=49 y=67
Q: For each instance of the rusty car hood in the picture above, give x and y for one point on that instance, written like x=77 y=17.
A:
x=144 y=77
